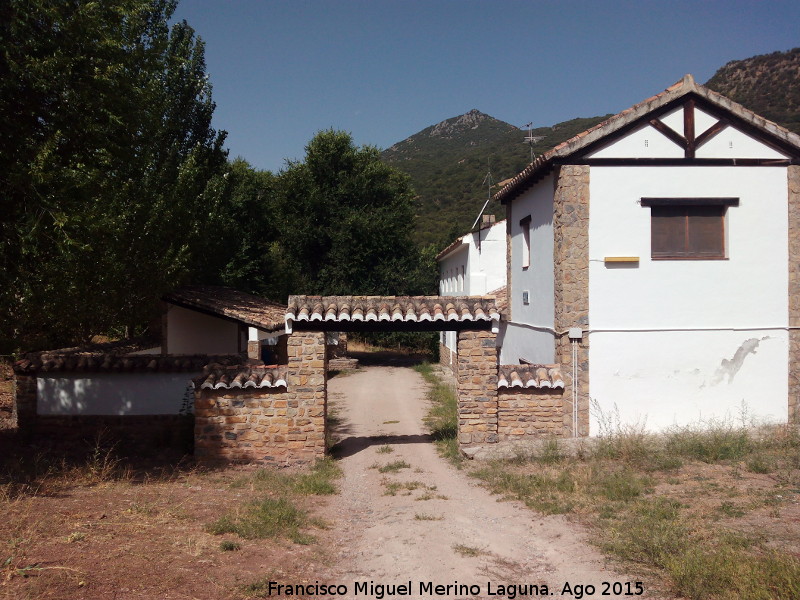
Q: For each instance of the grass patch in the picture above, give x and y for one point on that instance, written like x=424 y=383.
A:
x=229 y=546
x=470 y=551
x=426 y=517
x=442 y=418
x=319 y=481
x=656 y=501
x=390 y=422
x=385 y=450
x=394 y=467
x=266 y=518
x=278 y=514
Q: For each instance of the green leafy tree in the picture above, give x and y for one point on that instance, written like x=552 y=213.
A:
x=109 y=170
x=347 y=220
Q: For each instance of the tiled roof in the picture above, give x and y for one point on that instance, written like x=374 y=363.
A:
x=93 y=362
x=501 y=299
x=247 y=309
x=390 y=309
x=460 y=240
x=242 y=377
x=530 y=376
x=679 y=89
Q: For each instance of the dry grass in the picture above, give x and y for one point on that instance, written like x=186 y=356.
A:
x=94 y=526
x=705 y=509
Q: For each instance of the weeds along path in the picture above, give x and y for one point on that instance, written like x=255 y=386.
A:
x=404 y=513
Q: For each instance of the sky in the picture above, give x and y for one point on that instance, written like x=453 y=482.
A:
x=383 y=70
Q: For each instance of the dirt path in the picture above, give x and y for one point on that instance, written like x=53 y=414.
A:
x=439 y=526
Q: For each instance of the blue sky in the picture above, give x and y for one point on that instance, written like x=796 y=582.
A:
x=383 y=70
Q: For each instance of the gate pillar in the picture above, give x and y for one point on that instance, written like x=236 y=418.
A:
x=307 y=403
x=477 y=387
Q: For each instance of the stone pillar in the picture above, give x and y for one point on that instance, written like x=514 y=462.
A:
x=307 y=387
x=794 y=293
x=24 y=411
x=477 y=387
x=571 y=260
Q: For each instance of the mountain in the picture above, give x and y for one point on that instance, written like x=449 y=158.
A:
x=768 y=84
x=449 y=162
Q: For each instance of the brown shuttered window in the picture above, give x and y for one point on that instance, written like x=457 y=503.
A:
x=688 y=228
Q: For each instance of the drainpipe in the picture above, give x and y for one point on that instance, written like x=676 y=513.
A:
x=575 y=336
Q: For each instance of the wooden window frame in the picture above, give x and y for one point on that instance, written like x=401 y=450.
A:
x=525 y=225
x=688 y=204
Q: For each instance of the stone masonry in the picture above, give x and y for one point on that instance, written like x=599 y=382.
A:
x=571 y=260
x=794 y=293
x=477 y=387
x=269 y=425
x=529 y=413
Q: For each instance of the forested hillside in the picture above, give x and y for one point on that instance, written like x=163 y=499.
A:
x=449 y=162
x=768 y=84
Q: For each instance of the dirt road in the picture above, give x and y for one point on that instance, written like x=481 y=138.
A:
x=428 y=522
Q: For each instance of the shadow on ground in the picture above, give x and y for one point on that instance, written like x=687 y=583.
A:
x=389 y=358
x=353 y=445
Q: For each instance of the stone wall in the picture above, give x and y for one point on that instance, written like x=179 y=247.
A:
x=571 y=260
x=530 y=413
x=477 y=387
x=269 y=425
x=264 y=426
x=24 y=402
x=794 y=293
x=448 y=359
x=128 y=434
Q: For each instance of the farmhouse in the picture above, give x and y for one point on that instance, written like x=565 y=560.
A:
x=655 y=259
x=473 y=265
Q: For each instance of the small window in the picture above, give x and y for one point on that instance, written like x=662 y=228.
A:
x=525 y=225
x=688 y=228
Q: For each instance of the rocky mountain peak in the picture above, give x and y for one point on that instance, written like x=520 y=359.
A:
x=456 y=125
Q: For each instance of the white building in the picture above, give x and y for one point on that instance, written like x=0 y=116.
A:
x=667 y=239
x=473 y=265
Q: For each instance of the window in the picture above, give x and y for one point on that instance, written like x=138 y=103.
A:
x=688 y=228
x=525 y=225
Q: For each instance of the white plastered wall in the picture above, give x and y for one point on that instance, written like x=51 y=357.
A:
x=192 y=332
x=112 y=393
x=482 y=256
x=529 y=335
x=682 y=341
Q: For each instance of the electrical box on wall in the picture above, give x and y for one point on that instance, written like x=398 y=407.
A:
x=525 y=297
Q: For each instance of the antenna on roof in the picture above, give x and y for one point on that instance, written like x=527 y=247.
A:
x=530 y=139
x=486 y=179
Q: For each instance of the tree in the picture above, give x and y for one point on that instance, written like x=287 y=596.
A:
x=110 y=169
x=347 y=220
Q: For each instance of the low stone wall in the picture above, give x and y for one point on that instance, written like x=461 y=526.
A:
x=277 y=425
x=531 y=413
x=128 y=434
x=262 y=425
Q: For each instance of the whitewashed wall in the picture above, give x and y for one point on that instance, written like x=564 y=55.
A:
x=482 y=255
x=678 y=341
x=112 y=393
x=192 y=332
x=529 y=334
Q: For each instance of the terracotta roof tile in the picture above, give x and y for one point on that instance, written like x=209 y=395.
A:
x=241 y=377
x=529 y=376
x=94 y=362
x=248 y=309
x=391 y=308
x=501 y=299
